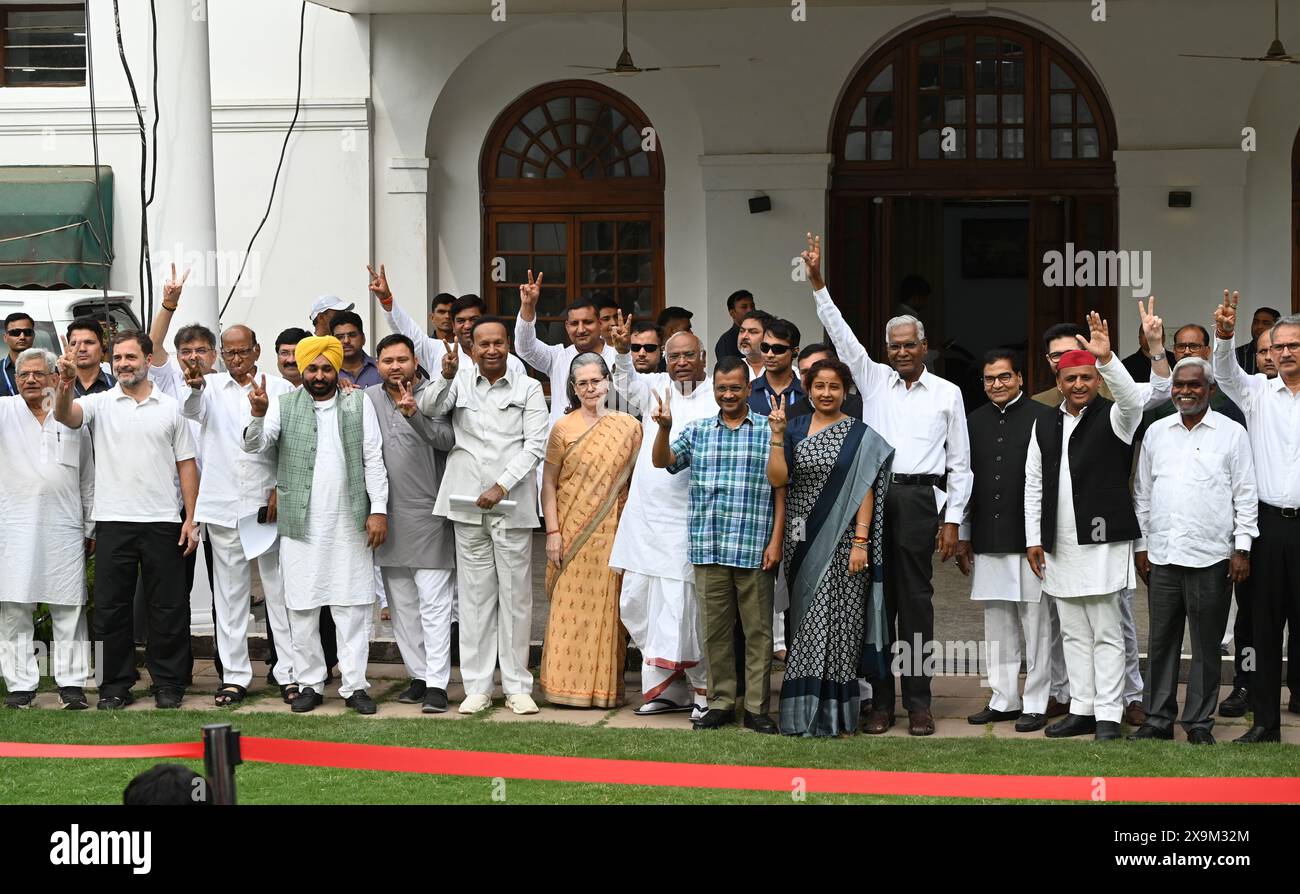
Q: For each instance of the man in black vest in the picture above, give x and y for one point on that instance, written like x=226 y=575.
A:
x=1080 y=526
x=995 y=527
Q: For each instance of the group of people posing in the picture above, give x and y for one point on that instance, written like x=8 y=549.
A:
x=777 y=502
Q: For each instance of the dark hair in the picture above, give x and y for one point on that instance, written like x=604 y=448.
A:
x=673 y=313
x=195 y=332
x=642 y=326
x=485 y=320
x=1012 y=357
x=290 y=336
x=396 y=338
x=442 y=298
x=736 y=296
x=913 y=285
x=605 y=302
x=818 y=347
x=168 y=784
x=1277 y=314
x=346 y=317
x=16 y=316
x=841 y=371
x=730 y=364
x=465 y=301
x=87 y=324
x=1199 y=328
x=1061 y=330
x=135 y=335
x=580 y=304
x=587 y=358
x=761 y=315
x=784 y=329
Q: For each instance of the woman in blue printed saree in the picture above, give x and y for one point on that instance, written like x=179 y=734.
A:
x=836 y=469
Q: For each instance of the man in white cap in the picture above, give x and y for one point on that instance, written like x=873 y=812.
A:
x=323 y=310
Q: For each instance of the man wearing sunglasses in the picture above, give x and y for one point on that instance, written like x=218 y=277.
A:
x=779 y=347
x=20 y=333
x=646 y=345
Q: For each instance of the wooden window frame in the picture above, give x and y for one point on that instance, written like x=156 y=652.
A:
x=7 y=8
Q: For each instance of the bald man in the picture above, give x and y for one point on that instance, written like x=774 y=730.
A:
x=237 y=486
x=332 y=511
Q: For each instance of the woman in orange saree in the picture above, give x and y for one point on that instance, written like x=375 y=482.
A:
x=589 y=462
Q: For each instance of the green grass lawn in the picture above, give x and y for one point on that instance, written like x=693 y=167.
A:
x=31 y=781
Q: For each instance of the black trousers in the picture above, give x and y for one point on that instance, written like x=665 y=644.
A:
x=911 y=523
x=1198 y=598
x=1243 y=634
x=1275 y=567
x=149 y=550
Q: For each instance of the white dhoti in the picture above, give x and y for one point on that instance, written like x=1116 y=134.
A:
x=420 y=600
x=1092 y=630
x=18 y=664
x=232 y=584
x=1132 y=668
x=662 y=616
x=1060 y=679
x=1013 y=603
x=494 y=586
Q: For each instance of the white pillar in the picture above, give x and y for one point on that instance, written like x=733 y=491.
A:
x=183 y=216
x=401 y=236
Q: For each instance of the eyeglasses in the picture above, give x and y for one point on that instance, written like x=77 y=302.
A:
x=21 y=333
x=1056 y=356
x=238 y=354
x=903 y=346
x=1001 y=378
x=1291 y=346
x=187 y=353
x=1187 y=347
x=768 y=348
x=637 y=349
x=684 y=355
x=588 y=383
x=32 y=374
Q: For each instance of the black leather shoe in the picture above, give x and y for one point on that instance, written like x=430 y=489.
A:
x=988 y=715
x=1199 y=736
x=435 y=701
x=1031 y=723
x=1147 y=731
x=715 y=719
x=73 y=698
x=114 y=702
x=1236 y=704
x=414 y=693
x=168 y=697
x=1072 y=725
x=20 y=698
x=1107 y=730
x=759 y=723
x=1258 y=734
x=360 y=702
x=307 y=700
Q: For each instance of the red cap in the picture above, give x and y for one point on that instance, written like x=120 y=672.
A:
x=1076 y=358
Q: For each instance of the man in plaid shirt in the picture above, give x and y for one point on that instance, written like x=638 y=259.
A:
x=736 y=525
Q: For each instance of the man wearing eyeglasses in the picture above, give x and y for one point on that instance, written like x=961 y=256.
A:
x=20 y=333
x=1194 y=341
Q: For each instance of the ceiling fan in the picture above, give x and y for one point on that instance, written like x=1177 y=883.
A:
x=1276 y=54
x=625 y=66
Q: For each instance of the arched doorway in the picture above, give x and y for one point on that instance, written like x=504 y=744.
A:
x=1295 y=224
x=571 y=190
x=966 y=148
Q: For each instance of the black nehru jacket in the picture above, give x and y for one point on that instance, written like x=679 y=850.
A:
x=1100 y=463
x=999 y=442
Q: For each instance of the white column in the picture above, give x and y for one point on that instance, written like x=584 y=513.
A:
x=401 y=235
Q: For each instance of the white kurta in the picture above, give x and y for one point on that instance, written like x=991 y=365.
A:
x=45 y=507
x=334 y=565
x=1004 y=577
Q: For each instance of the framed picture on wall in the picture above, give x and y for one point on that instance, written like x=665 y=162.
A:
x=995 y=248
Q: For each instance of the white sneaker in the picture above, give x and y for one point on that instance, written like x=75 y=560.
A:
x=521 y=703
x=475 y=703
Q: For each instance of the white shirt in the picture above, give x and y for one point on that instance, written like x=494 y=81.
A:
x=235 y=483
x=1195 y=491
x=429 y=350
x=501 y=430
x=137 y=448
x=170 y=379
x=925 y=424
x=554 y=360
x=1273 y=425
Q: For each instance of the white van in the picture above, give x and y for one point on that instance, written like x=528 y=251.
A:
x=53 y=309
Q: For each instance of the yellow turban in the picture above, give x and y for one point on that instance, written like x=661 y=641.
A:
x=314 y=346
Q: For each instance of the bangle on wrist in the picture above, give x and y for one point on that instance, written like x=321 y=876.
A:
x=549 y=533
x=170 y=307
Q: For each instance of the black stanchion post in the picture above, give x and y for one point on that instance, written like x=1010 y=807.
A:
x=220 y=757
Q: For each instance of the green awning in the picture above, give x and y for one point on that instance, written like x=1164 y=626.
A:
x=51 y=231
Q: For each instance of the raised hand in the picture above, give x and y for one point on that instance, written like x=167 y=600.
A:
x=662 y=412
x=67 y=366
x=172 y=288
x=451 y=361
x=1098 y=341
x=620 y=334
x=1153 y=328
x=1225 y=315
x=776 y=419
x=379 y=286
x=257 y=398
x=812 y=262
x=193 y=370
x=405 y=400
x=530 y=291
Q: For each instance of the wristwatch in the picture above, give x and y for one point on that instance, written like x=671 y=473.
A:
x=1244 y=553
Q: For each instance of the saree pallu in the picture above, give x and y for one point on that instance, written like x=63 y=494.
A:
x=585 y=647
x=837 y=619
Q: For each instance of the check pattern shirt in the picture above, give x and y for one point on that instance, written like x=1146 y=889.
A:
x=731 y=508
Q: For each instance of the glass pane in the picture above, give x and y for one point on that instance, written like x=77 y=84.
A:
x=954 y=75
x=554 y=171
x=958 y=143
x=517 y=140
x=986 y=142
x=986 y=46
x=597 y=235
x=1062 y=103
x=582 y=159
x=855 y=146
x=954 y=109
x=930 y=49
x=532 y=171
x=619 y=169
x=548 y=140
x=512 y=237
x=565 y=133
x=640 y=164
x=507 y=166
x=884 y=81
x=986 y=73
x=1089 y=145
x=986 y=108
x=597 y=294
x=551 y=303
x=552 y=267
x=536 y=153
x=1013 y=74
x=566 y=158
x=1059 y=79
x=597 y=268
x=635 y=301
x=630 y=137
x=1062 y=142
x=927 y=110
x=535 y=120
x=927 y=144
x=550 y=236
x=517 y=267
x=587 y=108
x=634 y=234
x=955 y=45
x=1013 y=143
x=1013 y=108
x=859 y=118
x=583 y=135
x=1011 y=47
x=633 y=268
x=507 y=301
x=882 y=145
x=927 y=76
x=559 y=108
x=882 y=111
x=1083 y=111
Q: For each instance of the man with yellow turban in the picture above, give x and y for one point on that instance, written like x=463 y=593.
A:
x=332 y=493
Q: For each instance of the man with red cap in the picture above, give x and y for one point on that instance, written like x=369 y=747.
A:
x=1080 y=525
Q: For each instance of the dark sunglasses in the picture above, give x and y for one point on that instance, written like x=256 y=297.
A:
x=768 y=348
x=639 y=348
x=21 y=333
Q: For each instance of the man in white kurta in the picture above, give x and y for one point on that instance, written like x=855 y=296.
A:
x=330 y=563
x=46 y=507
x=658 y=601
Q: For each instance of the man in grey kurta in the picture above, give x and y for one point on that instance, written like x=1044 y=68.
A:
x=417 y=560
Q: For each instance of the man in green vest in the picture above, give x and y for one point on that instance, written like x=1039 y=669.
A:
x=332 y=496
